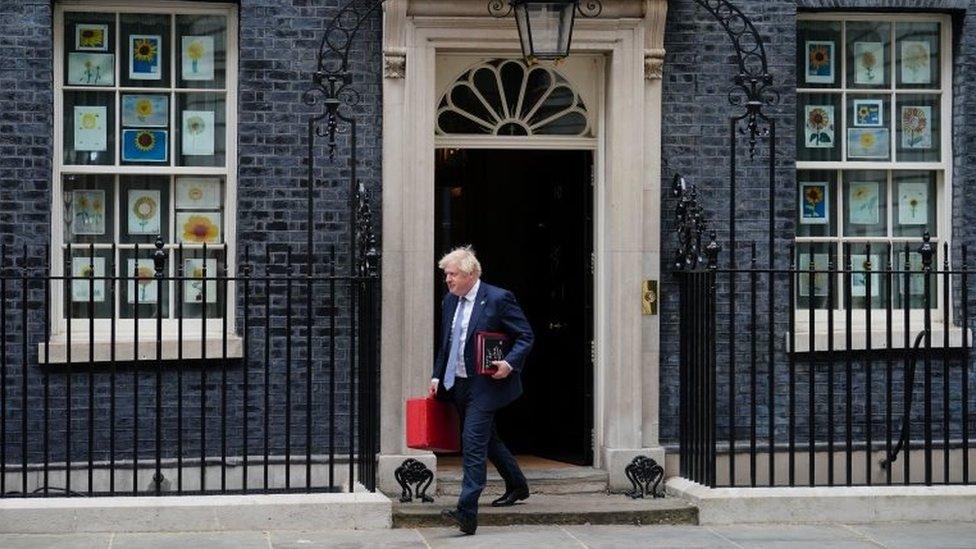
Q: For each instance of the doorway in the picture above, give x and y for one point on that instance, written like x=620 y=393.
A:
x=529 y=216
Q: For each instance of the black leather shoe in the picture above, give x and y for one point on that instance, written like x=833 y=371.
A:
x=467 y=526
x=511 y=496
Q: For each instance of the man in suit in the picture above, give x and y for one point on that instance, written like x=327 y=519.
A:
x=469 y=307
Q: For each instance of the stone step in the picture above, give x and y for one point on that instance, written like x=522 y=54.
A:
x=563 y=480
x=555 y=509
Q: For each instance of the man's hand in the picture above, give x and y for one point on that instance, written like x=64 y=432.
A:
x=504 y=368
x=432 y=390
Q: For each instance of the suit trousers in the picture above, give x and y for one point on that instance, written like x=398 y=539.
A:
x=479 y=440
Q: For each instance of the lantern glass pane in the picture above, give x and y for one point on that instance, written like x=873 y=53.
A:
x=550 y=25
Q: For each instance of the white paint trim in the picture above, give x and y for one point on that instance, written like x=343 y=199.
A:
x=228 y=172
x=621 y=158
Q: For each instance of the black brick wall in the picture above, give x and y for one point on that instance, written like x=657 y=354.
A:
x=700 y=66
x=279 y=41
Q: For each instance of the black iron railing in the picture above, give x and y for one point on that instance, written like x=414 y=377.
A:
x=854 y=371
x=147 y=383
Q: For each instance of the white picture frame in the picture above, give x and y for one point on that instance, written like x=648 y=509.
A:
x=145 y=110
x=143 y=212
x=193 y=289
x=820 y=70
x=90 y=128
x=869 y=113
x=913 y=203
x=197 y=57
x=818 y=123
x=198 y=227
x=88 y=212
x=859 y=276
x=820 y=276
x=197 y=193
x=869 y=63
x=814 y=203
x=916 y=127
x=197 y=133
x=91 y=69
x=864 y=203
x=91 y=37
x=147 y=65
x=916 y=62
x=148 y=290
x=80 y=268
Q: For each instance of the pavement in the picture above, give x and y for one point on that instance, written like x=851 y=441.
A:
x=929 y=535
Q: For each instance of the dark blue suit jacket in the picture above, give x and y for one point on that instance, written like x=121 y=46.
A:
x=495 y=310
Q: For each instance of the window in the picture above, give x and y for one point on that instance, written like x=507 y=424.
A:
x=508 y=97
x=873 y=158
x=145 y=146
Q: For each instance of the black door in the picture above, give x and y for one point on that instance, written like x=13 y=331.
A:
x=528 y=215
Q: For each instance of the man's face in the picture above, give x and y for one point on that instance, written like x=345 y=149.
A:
x=458 y=283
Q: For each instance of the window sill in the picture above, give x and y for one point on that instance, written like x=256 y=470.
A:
x=125 y=349
x=800 y=343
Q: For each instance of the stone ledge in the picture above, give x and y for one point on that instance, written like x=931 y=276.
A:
x=361 y=510
x=848 y=505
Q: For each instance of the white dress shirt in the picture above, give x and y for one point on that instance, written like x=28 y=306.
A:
x=464 y=320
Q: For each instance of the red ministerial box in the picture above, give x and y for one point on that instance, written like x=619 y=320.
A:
x=432 y=425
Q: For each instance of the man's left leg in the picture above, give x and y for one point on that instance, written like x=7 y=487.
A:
x=474 y=445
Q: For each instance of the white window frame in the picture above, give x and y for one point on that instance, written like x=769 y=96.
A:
x=944 y=180
x=124 y=328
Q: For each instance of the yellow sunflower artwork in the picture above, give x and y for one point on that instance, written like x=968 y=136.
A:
x=199 y=228
x=144 y=57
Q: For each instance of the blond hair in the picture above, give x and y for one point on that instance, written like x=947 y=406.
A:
x=464 y=258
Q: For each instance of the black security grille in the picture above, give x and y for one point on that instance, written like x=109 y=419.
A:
x=283 y=400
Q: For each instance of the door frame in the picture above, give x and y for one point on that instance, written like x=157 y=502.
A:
x=626 y=229
x=590 y=329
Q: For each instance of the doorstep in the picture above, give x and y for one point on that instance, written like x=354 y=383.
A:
x=555 y=509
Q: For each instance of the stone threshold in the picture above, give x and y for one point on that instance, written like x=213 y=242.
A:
x=838 y=504
x=555 y=509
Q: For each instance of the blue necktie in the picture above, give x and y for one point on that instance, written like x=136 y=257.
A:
x=452 y=360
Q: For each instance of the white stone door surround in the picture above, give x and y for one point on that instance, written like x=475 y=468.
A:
x=629 y=35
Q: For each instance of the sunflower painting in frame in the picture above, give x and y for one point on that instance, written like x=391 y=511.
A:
x=819 y=62
x=144 y=52
x=814 y=203
x=144 y=145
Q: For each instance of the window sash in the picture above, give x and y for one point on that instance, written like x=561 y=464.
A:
x=943 y=167
x=228 y=172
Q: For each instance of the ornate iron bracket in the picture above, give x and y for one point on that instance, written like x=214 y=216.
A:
x=645 y=475
x=690 y=226
x=414 y=472
x=334 y=88
x=753 y=84
x=586 y=8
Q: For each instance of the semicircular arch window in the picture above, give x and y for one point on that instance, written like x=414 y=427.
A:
x=508 y=97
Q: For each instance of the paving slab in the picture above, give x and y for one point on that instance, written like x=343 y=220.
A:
x=913 y=535
x=67 y=541
x=792 y=535
x=555 y=509
x=201 y=540
x=347 y=539
x=657 y=537
x=493 y=537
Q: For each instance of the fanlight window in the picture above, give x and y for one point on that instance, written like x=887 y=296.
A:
x=507 y=97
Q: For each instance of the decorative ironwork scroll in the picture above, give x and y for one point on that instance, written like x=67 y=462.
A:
x=586 y=8
x=691 y=225
x=753 y=83
x=333 y=87
x=644 y=475
x=414 y=472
